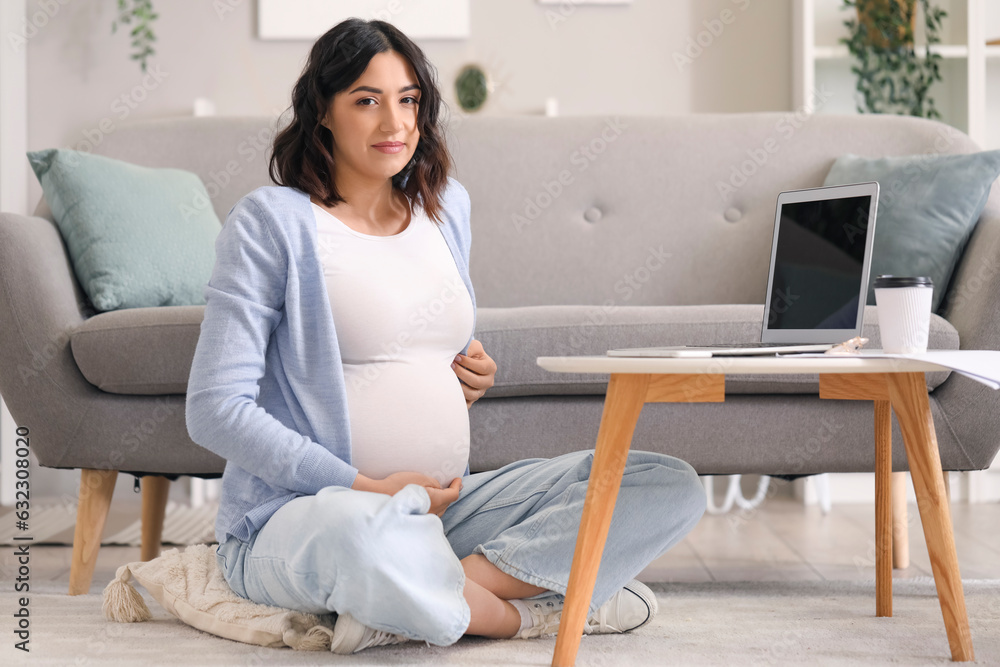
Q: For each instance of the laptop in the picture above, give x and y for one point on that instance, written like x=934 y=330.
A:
x=817 y=284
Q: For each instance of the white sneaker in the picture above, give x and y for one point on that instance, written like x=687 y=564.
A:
x=351 y=636
x=631 y=607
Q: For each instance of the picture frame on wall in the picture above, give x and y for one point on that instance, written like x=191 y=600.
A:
x=309 y=19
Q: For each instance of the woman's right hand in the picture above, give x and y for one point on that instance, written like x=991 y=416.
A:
x=440 y=498
x=397 y=480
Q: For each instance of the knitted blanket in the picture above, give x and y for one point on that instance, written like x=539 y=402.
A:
x=190 y=585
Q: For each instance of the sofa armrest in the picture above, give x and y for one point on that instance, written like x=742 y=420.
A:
x=972 y=305
x=41 y=303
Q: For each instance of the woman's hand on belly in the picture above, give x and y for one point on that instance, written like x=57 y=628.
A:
x=476 y=371
x=441 y=498
x=390 y=485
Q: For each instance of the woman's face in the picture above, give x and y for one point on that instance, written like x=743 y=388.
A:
x=380 y=107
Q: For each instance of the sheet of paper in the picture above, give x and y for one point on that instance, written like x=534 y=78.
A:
x=980 y=365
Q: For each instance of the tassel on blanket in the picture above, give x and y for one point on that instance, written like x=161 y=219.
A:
x=122 y=603
x=316 y=638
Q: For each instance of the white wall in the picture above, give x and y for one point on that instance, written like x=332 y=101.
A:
x=593 y=59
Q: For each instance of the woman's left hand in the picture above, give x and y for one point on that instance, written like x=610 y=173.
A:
x=476 y=370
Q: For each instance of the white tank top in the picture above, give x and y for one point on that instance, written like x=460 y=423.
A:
x=402 y=313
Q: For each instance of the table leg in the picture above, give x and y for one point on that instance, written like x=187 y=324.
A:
x=900 y=523
x=624 y=400
x=908 y=393
x=883 y=509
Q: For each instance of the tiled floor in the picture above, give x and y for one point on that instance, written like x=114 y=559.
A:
x=780 y=541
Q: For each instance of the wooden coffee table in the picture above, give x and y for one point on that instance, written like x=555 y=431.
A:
x=898 y=383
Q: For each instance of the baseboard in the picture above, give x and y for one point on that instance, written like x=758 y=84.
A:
x=979 y=486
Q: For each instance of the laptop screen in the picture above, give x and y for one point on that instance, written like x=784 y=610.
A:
x=819 y=264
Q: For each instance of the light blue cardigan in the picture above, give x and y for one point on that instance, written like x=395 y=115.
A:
x=267 y=390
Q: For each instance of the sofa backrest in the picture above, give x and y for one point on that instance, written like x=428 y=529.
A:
x=230 y=154
x=579 y=210
x=592 y=210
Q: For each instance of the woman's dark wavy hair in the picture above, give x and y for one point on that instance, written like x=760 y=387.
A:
x=302 y=156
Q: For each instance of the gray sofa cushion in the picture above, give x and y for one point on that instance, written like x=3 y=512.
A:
x=139 y=350
x=149 y=350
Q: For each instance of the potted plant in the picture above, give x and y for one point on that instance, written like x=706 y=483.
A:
x=472 y=87
x=892 y=78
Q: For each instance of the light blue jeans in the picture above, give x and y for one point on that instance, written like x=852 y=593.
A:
x=394 y=567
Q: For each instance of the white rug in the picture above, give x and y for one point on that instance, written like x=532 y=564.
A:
x=751 y=623
x=54 y=523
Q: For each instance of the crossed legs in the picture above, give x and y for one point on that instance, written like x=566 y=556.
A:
x=385 y=561
x=525 y=518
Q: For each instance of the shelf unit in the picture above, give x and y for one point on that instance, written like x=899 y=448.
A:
x=968 y=97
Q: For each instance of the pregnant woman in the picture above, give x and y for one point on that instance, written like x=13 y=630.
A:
x=334 y=372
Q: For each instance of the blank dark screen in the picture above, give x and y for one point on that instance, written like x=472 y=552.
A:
x=818 y=264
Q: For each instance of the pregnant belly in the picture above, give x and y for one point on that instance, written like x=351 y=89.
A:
x=407 y=417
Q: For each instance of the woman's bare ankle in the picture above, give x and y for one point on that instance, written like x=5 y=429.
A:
x=490 y=616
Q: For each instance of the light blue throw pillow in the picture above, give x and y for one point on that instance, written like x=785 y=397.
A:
x=136 y=236
x=928 y=206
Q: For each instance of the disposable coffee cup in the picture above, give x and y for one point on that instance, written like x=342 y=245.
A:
x=904 y=312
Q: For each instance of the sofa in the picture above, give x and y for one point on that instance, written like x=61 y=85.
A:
x=589 y=233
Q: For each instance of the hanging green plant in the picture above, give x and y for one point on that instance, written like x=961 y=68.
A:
x=891 y=77
x=142 y=34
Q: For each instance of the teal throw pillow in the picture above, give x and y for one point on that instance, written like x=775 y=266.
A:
x=136 y=236
x=927 y=208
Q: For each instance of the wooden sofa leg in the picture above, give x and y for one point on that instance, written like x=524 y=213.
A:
x=900 y=527
x=155 y=490
x=96 y=489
